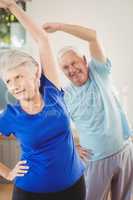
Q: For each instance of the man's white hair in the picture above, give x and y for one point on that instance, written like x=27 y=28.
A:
x=10 y=59
x=67 y=49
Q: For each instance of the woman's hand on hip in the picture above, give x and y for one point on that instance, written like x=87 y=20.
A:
x=19 y=170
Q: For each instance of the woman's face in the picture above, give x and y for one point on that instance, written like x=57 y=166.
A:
x=21 y=82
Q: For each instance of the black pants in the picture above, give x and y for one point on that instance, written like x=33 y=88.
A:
x=76 y=192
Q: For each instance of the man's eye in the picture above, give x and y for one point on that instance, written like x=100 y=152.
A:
x=65 y=67
x=8 y=81
x=73 y=63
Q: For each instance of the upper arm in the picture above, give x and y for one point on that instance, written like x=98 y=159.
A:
x=48 y=63
x=103 y=69
x=41 y=37
x=97 y=51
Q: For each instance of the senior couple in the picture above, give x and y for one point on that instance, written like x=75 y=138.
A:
x=51 y=166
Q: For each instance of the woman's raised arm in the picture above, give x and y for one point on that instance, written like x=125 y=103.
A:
x=41 y=38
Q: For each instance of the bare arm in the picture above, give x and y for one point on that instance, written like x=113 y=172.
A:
x=19 y=170
x=4 y=171
x=41 y=38
x=83 y=33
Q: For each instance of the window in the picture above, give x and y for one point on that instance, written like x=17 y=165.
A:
x=12 y=33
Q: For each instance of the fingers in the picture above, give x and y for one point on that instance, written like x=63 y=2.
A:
x=85 y=154
x=84 y=150
x=21 y=169
x=4 y=4
x=20 y=174
x=21 y=162
x=50 y=27
x=88 y=153
x=84 y=159
x=45 y=26
x=24 y=167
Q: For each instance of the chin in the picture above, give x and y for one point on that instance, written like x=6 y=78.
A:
x=80 y=83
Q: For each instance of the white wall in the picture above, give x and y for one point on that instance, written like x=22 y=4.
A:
x=113 y=21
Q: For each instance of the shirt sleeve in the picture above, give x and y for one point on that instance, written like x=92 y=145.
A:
x=5 y=124
x=68 y=99
x=50 y=91
x=103 y=69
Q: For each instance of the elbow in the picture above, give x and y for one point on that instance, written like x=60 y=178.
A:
x=91 y=35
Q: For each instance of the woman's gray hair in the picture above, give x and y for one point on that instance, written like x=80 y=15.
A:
x=10 y=59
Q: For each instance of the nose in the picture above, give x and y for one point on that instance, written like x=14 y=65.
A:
x=71 y=70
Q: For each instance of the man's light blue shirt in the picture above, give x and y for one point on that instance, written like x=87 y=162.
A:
x=96 y=111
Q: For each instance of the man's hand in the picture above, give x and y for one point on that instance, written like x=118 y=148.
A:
x=84 y=154
x=84 y=33
x=52 y=27
x=19 y=170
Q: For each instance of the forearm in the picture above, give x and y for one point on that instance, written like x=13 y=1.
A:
x=79 y=31
x=34 y=29
x=4 y=171
x=41 y=37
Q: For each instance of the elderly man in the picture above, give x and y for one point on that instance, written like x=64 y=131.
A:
x=98 y=116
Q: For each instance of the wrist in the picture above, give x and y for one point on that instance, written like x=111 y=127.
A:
x=8 y=175
x=61 y=27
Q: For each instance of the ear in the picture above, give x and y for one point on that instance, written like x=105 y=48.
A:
x=85 y=60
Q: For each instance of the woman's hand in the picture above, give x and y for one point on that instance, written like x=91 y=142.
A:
x=19 y=170
x=41 y=38
x=52 y=27
x=6 y=3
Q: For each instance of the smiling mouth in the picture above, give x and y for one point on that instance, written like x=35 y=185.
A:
x=19 y=92
x=77 y=75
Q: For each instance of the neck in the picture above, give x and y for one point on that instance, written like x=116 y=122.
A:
x=34 y=104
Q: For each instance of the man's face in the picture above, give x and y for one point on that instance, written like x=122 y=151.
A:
x=20 y=83
x=74 y=67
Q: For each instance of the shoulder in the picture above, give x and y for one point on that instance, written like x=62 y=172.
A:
x=8 y=111
x=68 y=90
x=50 y=92
x=96 y=63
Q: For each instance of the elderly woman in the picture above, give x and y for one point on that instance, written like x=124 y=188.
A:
x=39 y=120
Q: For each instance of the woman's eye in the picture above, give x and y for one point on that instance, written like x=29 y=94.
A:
x=17 y=77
